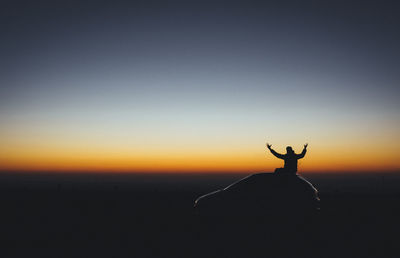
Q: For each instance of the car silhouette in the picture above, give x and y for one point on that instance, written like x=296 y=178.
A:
x=262 y=194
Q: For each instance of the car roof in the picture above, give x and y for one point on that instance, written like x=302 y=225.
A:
x=272 y=181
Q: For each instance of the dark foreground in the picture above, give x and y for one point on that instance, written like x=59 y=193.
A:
x=131 y=216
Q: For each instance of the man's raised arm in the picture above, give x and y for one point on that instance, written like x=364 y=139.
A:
x=303 y=153
x=276 y=154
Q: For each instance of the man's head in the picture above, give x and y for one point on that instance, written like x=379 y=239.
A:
x=289 y=150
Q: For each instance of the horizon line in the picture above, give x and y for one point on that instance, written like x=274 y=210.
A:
x=188 y=172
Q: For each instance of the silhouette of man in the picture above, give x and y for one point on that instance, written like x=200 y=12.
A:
x=290 y=159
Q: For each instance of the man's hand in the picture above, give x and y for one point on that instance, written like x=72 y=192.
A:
x=305 y=146
x=269 y=146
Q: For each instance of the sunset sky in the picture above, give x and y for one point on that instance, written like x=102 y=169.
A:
x=198 y=86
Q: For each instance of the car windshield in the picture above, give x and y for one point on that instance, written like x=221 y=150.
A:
x=251 y=182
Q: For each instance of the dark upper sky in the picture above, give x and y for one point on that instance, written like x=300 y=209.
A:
x=290 y=33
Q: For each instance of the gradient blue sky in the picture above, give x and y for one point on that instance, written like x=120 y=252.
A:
x=199 y=80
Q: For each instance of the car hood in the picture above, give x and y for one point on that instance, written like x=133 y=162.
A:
x=208 y=195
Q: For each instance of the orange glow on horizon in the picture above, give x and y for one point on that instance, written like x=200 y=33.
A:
x=48 y=151
x=97 y=160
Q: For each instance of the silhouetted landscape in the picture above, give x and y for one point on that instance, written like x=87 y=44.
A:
x=152 y=215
